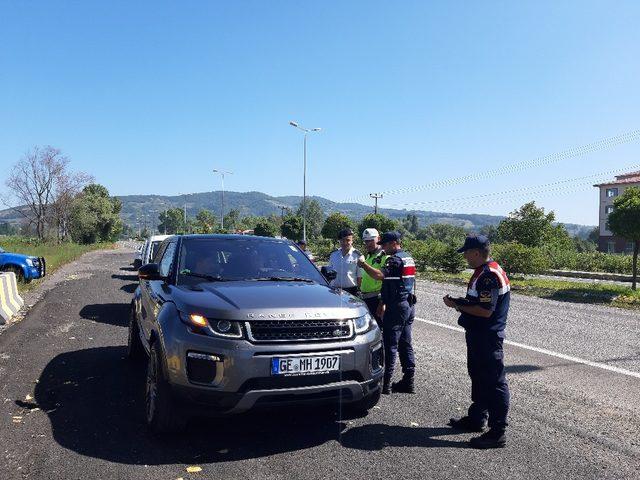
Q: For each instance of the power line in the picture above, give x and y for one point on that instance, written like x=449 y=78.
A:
x=524 y=190
x=375 y=196
x=516 y=167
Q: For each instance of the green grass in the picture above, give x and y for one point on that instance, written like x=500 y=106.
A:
x=563 y=290
x=55 y=254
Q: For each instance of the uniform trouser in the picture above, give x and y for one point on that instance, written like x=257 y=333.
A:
x=372 y=305
x=489 y=388
x=396 y=336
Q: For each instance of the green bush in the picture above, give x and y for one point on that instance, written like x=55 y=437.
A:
x=436 y=255
x=514 y=257
x=321 y=249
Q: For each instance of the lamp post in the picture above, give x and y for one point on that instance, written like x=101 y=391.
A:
x=304 y=176
x=222 y=173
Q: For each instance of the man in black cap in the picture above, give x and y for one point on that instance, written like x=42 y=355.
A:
x=397 y=295
x=483 y=314
x=345 y=262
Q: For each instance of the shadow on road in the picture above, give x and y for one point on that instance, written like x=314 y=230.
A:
x=109 y=313
x=522 y=368
x=94 y=400
x=379 y=436
x=129 y=287
x=128 y=278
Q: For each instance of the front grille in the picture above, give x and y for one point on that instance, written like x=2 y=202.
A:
x=299 y=330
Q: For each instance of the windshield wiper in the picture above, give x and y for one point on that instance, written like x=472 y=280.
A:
x=281 y=279
x=211 y=278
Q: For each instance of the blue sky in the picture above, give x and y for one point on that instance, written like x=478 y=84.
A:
x=150 y=96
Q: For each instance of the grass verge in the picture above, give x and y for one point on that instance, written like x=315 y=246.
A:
x=55 y=254
x=600 y=293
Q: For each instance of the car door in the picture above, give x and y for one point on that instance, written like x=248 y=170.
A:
x=157 y=291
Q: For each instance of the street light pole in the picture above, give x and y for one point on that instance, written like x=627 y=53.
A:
x=222 y=174
x=304 y=176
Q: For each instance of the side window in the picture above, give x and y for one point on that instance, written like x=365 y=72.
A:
x=167 y=259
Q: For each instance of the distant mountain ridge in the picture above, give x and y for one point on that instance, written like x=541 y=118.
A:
x=144 y=209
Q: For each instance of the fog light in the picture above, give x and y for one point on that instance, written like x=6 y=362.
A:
x=224 y=326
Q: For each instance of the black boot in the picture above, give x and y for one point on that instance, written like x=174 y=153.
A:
x=386 y=385
x=466 y=424
x=406 y=385
x=493 y=438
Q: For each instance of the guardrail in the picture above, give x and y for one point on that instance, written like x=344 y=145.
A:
x=10 y=299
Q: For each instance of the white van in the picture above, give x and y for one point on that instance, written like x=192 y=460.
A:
x=151 y=246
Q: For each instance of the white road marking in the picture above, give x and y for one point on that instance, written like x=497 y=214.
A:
x=543 y=351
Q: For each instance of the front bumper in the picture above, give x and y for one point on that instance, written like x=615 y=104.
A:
x=38 y=270
x=243 y=377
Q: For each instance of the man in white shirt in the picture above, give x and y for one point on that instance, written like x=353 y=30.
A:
x=345 y=262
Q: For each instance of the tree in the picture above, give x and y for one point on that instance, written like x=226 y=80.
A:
x=443 y=232
x=529 y=226
x=378 y=221
x=624 y=222
x=314 y=216
x=231 y=220
x=265 y=227
x=171 y=221
x=411 y=223
x=205 y=222
x=40 y=180
x=95 y=216
x=334 y=223
x=292 y=227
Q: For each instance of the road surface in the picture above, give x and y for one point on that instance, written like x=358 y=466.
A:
x=71 y=404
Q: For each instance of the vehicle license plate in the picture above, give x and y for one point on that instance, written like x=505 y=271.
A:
x=305 y=365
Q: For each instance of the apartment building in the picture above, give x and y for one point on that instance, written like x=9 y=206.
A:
x=607 y=242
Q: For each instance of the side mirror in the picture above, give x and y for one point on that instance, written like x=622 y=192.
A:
x=150 y=271
x=328 y=273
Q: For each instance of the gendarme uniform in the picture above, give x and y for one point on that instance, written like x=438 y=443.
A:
x=370 y=287
x=489 y=288
x=397 y=295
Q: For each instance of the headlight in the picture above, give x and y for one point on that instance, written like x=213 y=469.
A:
x=219 y=328
x=362 y=323
x=29 y=262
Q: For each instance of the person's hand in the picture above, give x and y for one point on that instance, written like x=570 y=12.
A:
x=380 y=310
x=448 y=301
x=361 y=260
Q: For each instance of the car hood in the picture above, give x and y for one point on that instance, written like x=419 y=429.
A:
x=267 y=301
x=15 y=257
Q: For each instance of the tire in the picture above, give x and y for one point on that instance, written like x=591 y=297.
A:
x=161 y=413
x=18 y=272
x=135 y=349
x=367 y=403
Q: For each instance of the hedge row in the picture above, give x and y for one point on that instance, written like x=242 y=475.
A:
x=513 y=257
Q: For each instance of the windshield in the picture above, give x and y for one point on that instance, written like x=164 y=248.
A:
x=233 y=259
x=154 y=249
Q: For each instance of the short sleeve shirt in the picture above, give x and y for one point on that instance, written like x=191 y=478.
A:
x=347 y=268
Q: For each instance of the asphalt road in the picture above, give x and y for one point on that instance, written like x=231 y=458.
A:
x=71 y=404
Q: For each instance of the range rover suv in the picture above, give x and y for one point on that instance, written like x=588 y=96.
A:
x=228 y=323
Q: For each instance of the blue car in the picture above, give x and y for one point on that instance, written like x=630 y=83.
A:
x=26 y=267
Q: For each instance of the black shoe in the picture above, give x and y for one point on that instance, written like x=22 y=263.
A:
x=489 y=439
x=386 y=389
x=403 y=386
x=465 y=424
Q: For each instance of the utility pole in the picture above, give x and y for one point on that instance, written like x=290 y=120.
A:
x=375 y=196
x=222 y=174
x=282 y=210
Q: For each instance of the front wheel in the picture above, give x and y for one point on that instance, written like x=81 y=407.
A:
x=367 y=403
x=162 y=415
x=18 y=272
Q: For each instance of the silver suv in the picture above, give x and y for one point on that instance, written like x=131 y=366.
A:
x=233 y=322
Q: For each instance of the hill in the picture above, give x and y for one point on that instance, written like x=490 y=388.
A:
x=144 y=209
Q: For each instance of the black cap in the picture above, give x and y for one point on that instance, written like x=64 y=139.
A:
x=345 y=232
x=301 y=242
x=474 y=241
x=389 y=237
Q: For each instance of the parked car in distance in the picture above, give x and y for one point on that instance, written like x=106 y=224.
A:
x=228 y=323
x=26 y=267
x=151 y=247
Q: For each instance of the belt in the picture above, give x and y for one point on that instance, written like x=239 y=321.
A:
x=367 y=295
